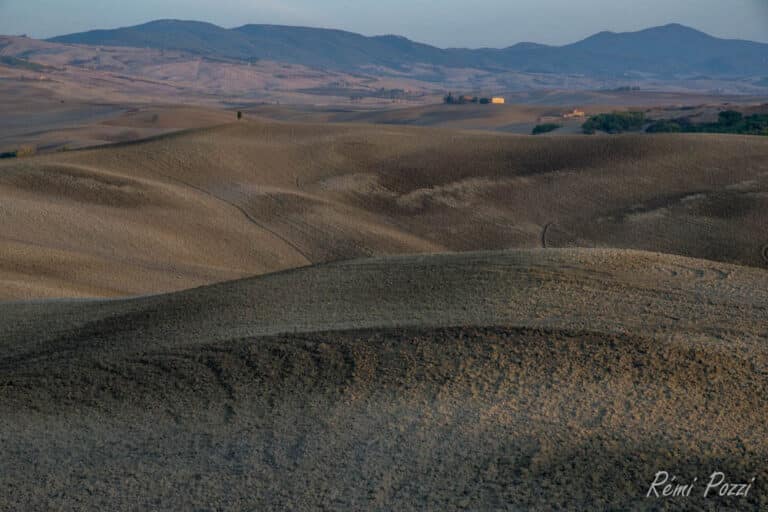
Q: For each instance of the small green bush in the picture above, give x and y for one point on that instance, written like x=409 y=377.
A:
x=617 y=122
x=545 y=128
x=728 y=121
x=730 y=118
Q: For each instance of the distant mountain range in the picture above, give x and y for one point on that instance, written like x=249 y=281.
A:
x=668 y=51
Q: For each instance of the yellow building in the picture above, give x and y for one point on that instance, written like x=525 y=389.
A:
x=576 y=113
x=497 y=101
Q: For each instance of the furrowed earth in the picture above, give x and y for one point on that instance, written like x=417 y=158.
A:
x=543 y=379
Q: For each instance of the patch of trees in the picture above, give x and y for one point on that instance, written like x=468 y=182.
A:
x=450 y=99
x=616 y=122
x=22 y=152
x=729 y=121
x=545 y=128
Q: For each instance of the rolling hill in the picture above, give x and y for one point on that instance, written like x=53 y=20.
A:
x=355 y=308
x=260 y=196
x=286 y=315
x=671 y=50
x=477 y=380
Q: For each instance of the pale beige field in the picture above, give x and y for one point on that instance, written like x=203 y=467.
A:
x=524 y=111
x=244 y=199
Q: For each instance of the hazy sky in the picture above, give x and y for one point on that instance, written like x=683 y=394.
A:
x=443 y=23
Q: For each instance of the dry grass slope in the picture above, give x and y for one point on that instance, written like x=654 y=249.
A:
x=216 y=204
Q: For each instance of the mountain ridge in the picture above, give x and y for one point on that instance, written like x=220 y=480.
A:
x=668 y=50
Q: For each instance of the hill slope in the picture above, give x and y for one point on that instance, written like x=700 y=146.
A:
x=447 y=381
x=665 y=51
x=190 y=36
x=239 y=200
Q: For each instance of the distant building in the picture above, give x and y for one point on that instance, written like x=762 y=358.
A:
x=574 y=114
x=498 y=100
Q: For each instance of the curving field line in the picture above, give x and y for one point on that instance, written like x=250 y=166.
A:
x=253 y=220
x=544 y=235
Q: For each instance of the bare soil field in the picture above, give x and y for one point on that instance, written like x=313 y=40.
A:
x=243 y=199
x=523 y=111
x=561 y=370
x=342 y=305
x=49 y=125
x=513 y=118
x=143 y=75
x=514 y=380
x=57 y=96
x=63 y=96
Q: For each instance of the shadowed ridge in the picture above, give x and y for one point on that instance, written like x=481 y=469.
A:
x=553 y=289
x=406 y=383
